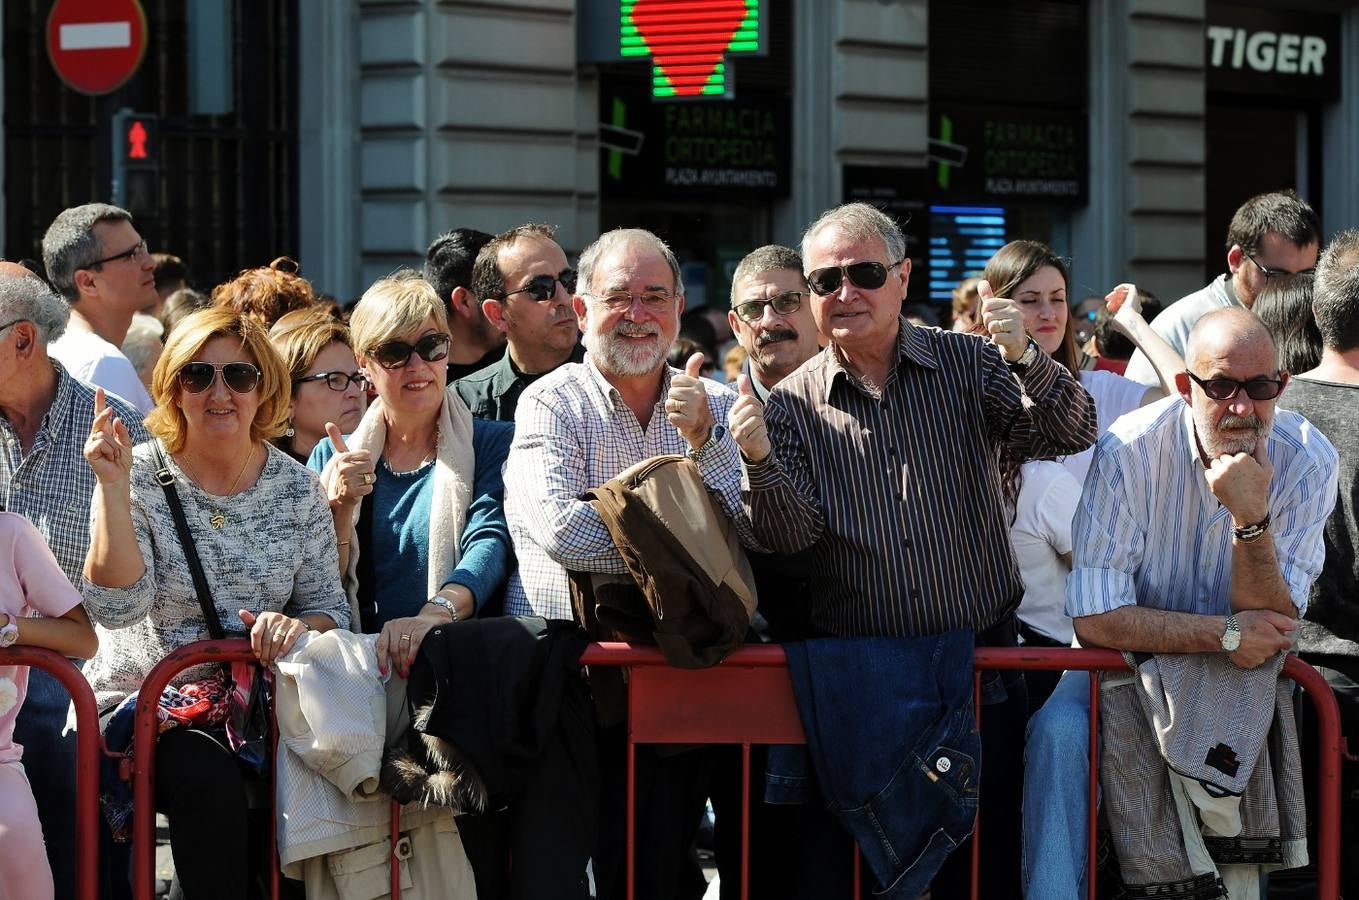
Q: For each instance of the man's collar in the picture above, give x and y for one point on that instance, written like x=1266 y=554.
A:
x=912 y=344
x=610 y=392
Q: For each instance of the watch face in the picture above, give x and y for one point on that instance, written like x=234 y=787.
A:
x=9 y=635
x=1231 y=640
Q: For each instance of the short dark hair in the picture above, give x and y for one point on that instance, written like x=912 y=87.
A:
x=1282 y=212
x=488 y=282
x=169 y=269
x=1285 y=306
x=1335 y=295
x=448 y=261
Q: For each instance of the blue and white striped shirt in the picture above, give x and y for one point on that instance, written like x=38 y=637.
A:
x=1149 y=531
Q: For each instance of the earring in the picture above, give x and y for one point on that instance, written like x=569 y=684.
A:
x=289 y=432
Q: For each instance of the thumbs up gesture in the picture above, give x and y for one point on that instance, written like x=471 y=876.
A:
x=746 y=422
x=1004 y=321
x=109 y=447
x=686 y=406
x=354 y=472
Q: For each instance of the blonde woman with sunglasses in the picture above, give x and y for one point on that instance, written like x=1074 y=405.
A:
x=261 y=527
x=415 y=491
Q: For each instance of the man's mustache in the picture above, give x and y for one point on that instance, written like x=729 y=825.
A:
x=774 y=336
x=1252 y=422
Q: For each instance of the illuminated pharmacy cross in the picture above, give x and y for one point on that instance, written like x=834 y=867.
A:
x=687 y=40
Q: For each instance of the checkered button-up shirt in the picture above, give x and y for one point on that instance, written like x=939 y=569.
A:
x=51 y=485
x=573 y=432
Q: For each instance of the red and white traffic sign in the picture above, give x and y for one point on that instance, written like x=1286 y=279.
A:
x=96 y=45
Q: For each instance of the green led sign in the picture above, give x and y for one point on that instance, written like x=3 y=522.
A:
x=688 y=41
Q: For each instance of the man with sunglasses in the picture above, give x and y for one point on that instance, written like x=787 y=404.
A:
x=101 y=265
x=1199 y=531
x=771 y=315
x=1270 y=235
x=45 y=416
x=525 y=286
x=877 y=460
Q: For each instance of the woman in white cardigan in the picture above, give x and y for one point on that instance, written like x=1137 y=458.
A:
x=416 y=490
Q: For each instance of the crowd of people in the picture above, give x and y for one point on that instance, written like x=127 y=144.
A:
x=257 y=461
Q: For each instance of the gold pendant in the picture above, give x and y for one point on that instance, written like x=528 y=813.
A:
x=217 y=520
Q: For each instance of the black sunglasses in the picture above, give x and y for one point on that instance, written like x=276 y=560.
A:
x=395 y=354
x=337 y=381
x=136 y=251
x=1227 y=388
x=785 y=303
x=544 y=287
x=197 y=377
x=867 y=275
x=1277 y=273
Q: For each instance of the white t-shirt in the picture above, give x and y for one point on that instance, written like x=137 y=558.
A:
x=1048 y=496
x=92 y=359
x=1114 y=396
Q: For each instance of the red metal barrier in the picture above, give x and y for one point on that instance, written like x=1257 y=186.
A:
x=144 y=737
x=87 y=757
x=748 y=699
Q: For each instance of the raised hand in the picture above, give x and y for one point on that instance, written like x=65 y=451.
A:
x=746 y=421
x=686 y=406
x=354 y=471
x=1004 y=321
x=109 y=447
x=1125 y=306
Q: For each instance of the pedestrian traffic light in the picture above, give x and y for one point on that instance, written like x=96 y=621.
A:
x=136 y=162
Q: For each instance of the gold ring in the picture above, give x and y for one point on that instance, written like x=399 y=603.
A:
x=279 y=633
x=367 y=477
x=405 y=637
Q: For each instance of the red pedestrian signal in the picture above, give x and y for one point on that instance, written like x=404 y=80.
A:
x=136 y=140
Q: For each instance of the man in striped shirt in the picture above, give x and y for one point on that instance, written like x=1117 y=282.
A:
x=1199 y=531
x=878 y=458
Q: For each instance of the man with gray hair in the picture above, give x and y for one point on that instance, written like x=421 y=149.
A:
x=45 y=417
x=771 y=316
x=101 y=265
x=879 y=459
x=575 y=429
x=1328 y=397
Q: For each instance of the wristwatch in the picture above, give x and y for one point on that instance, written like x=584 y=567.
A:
x=9 y=632
x=1231 y=638
x=1022 y=364
x=446 y=604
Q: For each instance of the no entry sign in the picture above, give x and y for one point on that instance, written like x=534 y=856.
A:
x=96 y=45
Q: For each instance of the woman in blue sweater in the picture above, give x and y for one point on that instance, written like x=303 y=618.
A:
x=415 y=490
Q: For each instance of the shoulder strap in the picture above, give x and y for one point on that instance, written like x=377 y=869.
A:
x=200 y=583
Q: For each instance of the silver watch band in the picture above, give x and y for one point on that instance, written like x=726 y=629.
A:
x=446 y=604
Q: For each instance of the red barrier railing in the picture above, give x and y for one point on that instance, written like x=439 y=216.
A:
x=748 y=699
x=87 y=757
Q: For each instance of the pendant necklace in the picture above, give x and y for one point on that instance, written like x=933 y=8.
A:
x=217 y=519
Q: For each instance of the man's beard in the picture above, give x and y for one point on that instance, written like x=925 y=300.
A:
x=615 y=355
x=1216 y=443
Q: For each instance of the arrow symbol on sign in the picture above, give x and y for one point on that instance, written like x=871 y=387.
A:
x=95 y=36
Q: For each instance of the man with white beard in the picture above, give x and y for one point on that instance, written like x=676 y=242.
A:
x=1199 y=531
x=576 y=428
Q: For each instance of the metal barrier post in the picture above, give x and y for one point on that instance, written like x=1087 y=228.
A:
x=87 y=757
x=145 y=732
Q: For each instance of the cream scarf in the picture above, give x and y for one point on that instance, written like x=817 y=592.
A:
x=454 y=471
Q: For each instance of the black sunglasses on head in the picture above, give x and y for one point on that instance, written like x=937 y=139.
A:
x=784 y=303
x=395 y=354
x=544 y=287
x=336 y=381
x=1221 y=389
x=867 y=275
x=197 y=377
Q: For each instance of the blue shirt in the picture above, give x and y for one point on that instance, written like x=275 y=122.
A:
x=400 y=537
x=1149 y=531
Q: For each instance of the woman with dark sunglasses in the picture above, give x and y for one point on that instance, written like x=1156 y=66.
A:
x=327 y=383
x=415 y=490
x=261 y=528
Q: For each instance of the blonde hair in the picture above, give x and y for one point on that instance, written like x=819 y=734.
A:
x=167 y=420
x=394 y=306
x=302 y=334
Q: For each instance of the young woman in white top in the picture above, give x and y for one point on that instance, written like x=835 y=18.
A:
x=1042 y=497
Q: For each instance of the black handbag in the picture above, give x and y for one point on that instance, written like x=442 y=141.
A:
x=249 y=724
